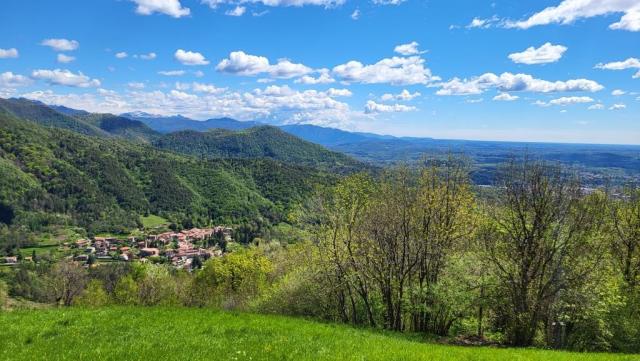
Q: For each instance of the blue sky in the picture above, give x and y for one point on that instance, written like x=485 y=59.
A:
x=552 y=70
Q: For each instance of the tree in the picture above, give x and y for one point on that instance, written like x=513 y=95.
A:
x=93 y=296
x=67 y=280
x=533 y=237
x=126 y=291
x=625 y=243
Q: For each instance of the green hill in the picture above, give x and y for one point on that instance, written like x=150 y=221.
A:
x=257 y=142
x=203 y=334
x=55 y=176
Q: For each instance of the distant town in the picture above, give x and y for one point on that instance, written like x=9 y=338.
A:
x=185 y=249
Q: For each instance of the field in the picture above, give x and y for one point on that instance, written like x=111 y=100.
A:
x=152 y=221
x=199 y=334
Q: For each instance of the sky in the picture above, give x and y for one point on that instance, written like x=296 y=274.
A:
x=546 y=70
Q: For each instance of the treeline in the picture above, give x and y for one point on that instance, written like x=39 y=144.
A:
x=536 y=260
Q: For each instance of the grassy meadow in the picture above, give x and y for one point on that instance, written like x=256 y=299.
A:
x=136 y=333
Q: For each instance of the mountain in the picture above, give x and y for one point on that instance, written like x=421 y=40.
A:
x=122 y=127
x=41 y=114
x=178 y=123
x=257 y=142
x=53 y=176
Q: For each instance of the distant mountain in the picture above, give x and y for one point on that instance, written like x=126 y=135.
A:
x=177 y=123
x=257 y=142
x=121 y=126
x=68 y=111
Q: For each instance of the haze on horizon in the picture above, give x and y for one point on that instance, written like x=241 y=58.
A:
x=553 y=71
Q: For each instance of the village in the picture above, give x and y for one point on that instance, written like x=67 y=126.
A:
x=184 y=249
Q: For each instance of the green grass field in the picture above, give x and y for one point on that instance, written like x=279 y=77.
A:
x=152 y=221
x=201 y=334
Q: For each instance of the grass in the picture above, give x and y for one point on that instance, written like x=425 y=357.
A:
x=200 y=334
x=153 y=221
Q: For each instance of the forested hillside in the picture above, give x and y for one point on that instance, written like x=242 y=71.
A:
x=56 y=176
x=257 y=142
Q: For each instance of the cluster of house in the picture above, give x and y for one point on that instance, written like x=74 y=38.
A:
x=180 y=248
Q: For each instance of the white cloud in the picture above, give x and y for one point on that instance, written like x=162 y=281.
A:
x=172 y=72
x=618 y=92
x=570 y=100
x=372 y=107
x=135 y=85
x=167 y=7
x=237 y=11
x=481 y=23
x=630 y=63
x=332 y=92
x=547 y=53
x=404 y=95
x=388 y=2
x=568 y=11
x=597 y=106
x=121 y=55
x=11 y=80
x=505 y=97
x=62 y=58
x=636 y=75
x=277 y=3
x=617 y=106
x=474 y=101
x=408 y=49
x=200 y=88
x=355 y=15
x=509 y=82
x=8 y=53
x=65 y=77
x=323 y=78
x=190 y=57
x=240 y=63
x=61 y=44
x=149 y=56
x=395 y=71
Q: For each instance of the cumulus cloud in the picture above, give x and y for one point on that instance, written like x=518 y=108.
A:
x=404 y=95
x=570 y=100
x=65 y=77
x=190 y=57
x=168 y=7
x=62 y=58
x=568 y=11
x=547 y=53
x=509 y=82
x=355 y=15
x=172 y=72
x=8 y=53
x=332 y=92
x=372 y=107
x=480 y=23
x=240 y=63
x=395 y=71
x=121 y=55
x=505 y=97
x=323 y=78
x=630 y=63
x=617 y=106
x=11 y=80
x=597 y=106
x=407 y=49
x=237 y=11
x=61 y=44
x=618 y=92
